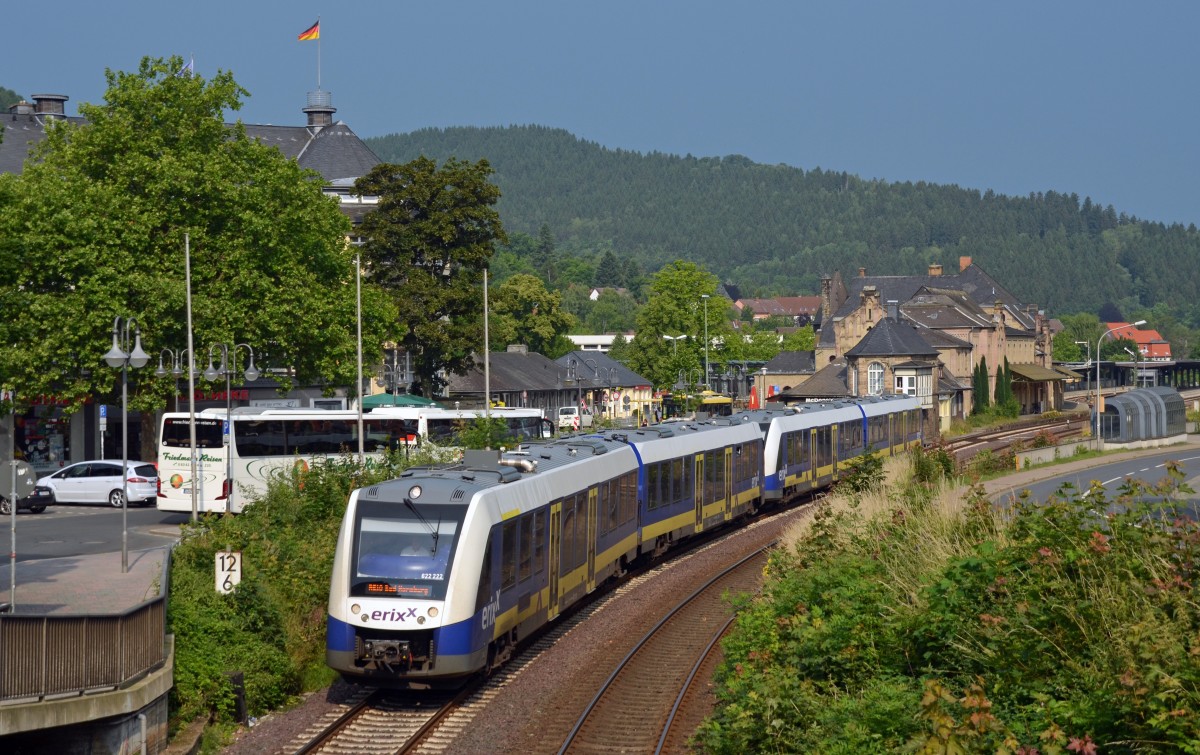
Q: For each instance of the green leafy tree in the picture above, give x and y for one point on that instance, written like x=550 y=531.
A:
x=523 y=311
x=8 y=98
x=427 y=243
x=612 y=313
x=620 y=349
x=1117 y=349
x=800 y=339
x=674 y=309
x=94 y=229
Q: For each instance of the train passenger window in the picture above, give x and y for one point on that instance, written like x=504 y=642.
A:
x=525 y=569
x=628 y=494
x=508 y=555
x=653 y=496
x=539 y=541
x=566 y=558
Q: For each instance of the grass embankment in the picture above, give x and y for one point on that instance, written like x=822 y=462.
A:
x=908 y=617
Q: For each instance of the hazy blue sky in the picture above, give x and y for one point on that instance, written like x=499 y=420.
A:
x=1096 y=98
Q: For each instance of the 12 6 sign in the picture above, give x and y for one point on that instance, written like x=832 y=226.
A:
x=228 y=570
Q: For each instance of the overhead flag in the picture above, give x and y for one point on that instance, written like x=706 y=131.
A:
x=188 y=68
x=312 y=32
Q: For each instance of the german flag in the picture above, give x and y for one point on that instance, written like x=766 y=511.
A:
x=312 y=32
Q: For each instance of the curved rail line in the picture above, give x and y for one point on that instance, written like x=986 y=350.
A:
x=635 y=707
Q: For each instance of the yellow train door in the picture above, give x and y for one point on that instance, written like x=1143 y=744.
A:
x=555 y=557
x=698 y=494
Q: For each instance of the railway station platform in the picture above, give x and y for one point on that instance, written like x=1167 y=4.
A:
x=85 y=661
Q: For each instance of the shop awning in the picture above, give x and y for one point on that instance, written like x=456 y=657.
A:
x=1035 y=373
x=400 y=399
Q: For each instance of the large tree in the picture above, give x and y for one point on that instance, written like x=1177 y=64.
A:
x=522 y=311
x=675 y=308
x=427 y=243
x=94 y=229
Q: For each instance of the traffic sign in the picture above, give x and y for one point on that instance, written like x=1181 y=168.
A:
x=25 y=475
x=228 y=570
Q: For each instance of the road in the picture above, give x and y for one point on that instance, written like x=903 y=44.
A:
x=1150 y=467
x=66 y=529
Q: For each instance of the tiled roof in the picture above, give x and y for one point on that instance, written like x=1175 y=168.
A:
x=334 y=151
x=828 y=382
x=511 y=371
x=892 y=338
x=623 y=378
x=792 y=363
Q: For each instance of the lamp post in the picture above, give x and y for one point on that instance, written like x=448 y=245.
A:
x=1136 y=368
x=120 y=355
x=674 y=343
x=228 y=356
x=704 y=297
x=1098 y=341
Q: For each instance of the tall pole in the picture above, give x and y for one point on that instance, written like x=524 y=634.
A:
x=487 y=365
x=121 y=355
x=358 y=300
x=705 y=298
x=191 y=368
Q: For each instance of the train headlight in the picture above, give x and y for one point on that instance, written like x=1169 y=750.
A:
x=420 y=619
x=355 y=608
x=433 y=612
x=414 y=492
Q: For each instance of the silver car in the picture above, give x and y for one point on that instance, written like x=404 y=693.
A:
x=101 y=482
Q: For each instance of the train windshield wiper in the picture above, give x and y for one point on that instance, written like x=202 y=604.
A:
x=432 y=530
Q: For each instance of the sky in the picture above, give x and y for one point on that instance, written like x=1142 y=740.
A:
x=1092 y=98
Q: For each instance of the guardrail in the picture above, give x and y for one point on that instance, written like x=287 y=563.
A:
x=46 y=657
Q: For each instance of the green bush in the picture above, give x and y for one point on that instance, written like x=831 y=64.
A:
x=1052 y=627
x=272 y=626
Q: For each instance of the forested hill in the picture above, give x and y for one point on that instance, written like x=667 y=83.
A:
x=775 y=229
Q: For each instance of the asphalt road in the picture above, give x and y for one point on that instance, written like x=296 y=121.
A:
x=1148 y=466
x=66 y=529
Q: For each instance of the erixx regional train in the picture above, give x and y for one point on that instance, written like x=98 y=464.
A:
x=437 y=574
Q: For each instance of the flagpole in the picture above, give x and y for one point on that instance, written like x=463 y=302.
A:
x=318 y=53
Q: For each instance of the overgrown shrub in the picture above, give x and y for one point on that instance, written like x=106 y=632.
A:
x=272 y=626
x=910 y=622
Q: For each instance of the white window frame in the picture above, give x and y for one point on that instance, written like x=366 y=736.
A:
x=875 y=374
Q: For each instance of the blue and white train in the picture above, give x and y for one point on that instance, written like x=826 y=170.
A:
x=439 y=573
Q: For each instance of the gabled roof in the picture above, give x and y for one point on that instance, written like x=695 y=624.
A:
x=792 y=363
x=622 y=378
x=828 y=382
x=510 y=371
x=893 y=338
x=334 y=151
x=976 y=284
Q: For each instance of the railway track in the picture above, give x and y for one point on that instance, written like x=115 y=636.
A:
x=382 y=722
x=966 y=446
x=634 y=710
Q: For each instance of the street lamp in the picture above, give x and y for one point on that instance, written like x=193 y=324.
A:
x=211 y=374
x=705 y=298
x=674 y=342
x=1098 y=341
x=120 y=355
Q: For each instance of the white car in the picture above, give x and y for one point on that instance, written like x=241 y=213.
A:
x=100 y=482
x=572 y=417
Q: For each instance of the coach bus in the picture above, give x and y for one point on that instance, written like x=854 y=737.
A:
x=236 y=460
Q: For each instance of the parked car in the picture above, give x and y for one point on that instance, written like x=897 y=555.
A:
x=568 y=415
x=36 y=502
x=100 y=482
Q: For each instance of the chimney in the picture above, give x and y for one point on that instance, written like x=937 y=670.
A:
x=20 y=108
x=893 y=309
x=518 y=348
x=935 y=270
x=963 y=263
x=50 y=104
x=862 y=272
x=320 y=109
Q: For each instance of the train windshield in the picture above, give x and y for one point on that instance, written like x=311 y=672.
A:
x=405 y=552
